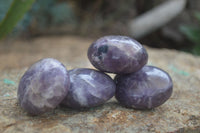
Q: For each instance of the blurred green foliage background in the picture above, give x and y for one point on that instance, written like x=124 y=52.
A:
x=192 y=32
x=43 y=13
x=93 y=18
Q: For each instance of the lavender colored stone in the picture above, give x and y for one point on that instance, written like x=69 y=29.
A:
x=148 y=88
x=88 y=88
x=117 y=54
x=43 y=86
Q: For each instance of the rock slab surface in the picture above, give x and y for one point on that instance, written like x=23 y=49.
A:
x=180 y=114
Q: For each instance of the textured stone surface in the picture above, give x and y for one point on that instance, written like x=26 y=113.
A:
x=88 y=88
x=181 y=113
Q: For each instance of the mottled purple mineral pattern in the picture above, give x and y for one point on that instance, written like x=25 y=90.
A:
x=148 y=88
x=43 y=86
x=88 y=88
x=117 y=54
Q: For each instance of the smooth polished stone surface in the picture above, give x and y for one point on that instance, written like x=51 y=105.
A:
x=147 y=88
x=89 y=88
x=117 y=54
x=43 y=86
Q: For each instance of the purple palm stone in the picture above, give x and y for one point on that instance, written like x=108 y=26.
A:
x=148 y=88
x=88 y=88
x=117 y=54
x=43 y=86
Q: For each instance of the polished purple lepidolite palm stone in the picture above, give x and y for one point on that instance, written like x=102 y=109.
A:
x=117 y=54
x=88 y=88
x=148 y=88
x=43 y=86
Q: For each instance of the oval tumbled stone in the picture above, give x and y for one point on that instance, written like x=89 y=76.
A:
x=88 y=88
x=43 y=86
x=117 y=54
x=148 y=88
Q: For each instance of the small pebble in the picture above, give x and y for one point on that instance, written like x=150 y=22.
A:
x=148 y=88
x=89 y=88
x=117 y=54
x=43 y=86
